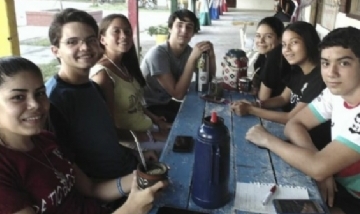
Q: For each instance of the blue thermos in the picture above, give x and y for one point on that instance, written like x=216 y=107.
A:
x=211 y=168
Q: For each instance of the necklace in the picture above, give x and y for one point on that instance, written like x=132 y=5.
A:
x=125 y=73
x=58 y=174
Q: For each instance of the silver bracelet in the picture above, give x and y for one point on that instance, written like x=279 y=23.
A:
x=118 y=184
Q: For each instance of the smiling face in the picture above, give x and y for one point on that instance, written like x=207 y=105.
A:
x=117 y=37
x=182 y=31
x=265 y=39
x=23 y=104
x=78 y=48
x=293 y=48
x=340 y=69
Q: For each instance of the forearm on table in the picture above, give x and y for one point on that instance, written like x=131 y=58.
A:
x=152 y=116
x=300 y=158
x=299 y=135
x=264 y=92
x=275 y=116
x=108 y=190
x=274 y=102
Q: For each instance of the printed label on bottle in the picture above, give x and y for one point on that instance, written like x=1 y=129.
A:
x=203 y=73
x=203 y=81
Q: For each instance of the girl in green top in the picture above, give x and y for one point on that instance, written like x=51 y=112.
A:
x=119 y=76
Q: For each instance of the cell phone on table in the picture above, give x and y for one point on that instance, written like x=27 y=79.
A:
x=183 y=144
x=296 y=206
x=173 y=210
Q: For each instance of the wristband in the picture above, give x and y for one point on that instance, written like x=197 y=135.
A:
x=118 y=184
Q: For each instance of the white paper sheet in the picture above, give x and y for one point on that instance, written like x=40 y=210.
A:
x=249 y=196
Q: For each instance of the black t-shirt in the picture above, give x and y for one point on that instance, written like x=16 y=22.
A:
x=285 y=17
x=259 y=62
x=282 y=16
x=273 y=71
x=82 y=123
x=305 y=88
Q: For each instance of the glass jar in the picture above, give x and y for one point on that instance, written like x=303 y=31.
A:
x=216 y=88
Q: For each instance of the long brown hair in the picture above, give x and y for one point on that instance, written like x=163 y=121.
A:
x=130 y=59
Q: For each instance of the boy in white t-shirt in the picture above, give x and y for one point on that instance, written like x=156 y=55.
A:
x=340 y=102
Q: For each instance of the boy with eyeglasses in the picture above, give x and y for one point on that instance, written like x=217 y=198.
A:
x=78 y=113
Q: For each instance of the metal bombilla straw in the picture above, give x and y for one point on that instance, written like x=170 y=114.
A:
x=140 y=150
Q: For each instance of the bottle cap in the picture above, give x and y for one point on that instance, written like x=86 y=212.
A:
x=213 y=117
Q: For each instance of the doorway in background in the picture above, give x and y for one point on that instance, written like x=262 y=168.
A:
x=231 y=3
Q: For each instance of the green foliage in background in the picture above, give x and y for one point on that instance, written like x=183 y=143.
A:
x=158 y=30
x=49 y=69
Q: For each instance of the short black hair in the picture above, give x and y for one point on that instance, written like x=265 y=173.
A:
x=310 y=38
x=12 y=65
x=274 y=23
x=346 y=37
x=182 y=14
x=66 y=16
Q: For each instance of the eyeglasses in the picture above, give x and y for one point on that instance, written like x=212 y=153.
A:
x=76 y=42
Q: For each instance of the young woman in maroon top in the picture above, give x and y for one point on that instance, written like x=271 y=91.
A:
x=35 y=177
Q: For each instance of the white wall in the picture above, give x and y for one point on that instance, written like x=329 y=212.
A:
x=322 y=32
x=341 y=21
x=162 y=3
x=307 y=13
x=255 y=4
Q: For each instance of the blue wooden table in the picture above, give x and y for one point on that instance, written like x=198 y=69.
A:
x=248 y=163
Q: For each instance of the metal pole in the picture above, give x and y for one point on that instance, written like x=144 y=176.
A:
x=193 y=6
x=174 y=6
x=9 y=39
x=133 y=12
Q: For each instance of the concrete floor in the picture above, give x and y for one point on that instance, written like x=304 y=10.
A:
x=222 y=33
